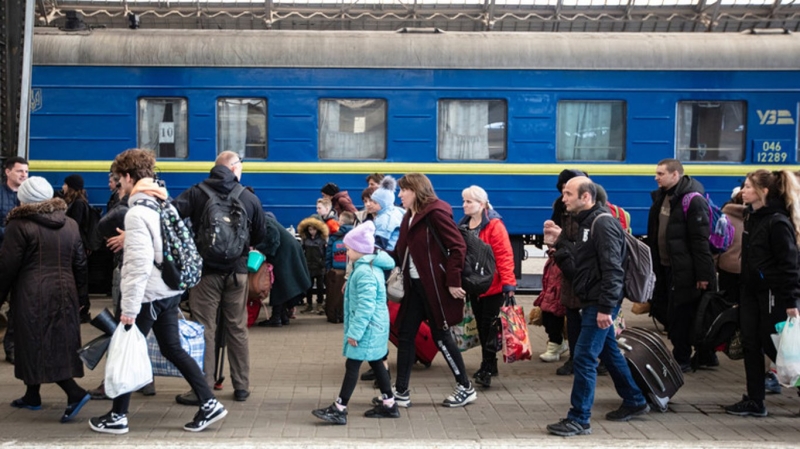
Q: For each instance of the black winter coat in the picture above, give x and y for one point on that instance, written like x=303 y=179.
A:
x=285 y=253
x=192 y=202
x=593 y=261
x=687 y=240
x=770 y=255
x=43 y=265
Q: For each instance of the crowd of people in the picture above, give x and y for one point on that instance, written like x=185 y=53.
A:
x=345 y=256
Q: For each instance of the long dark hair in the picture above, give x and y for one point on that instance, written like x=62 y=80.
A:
x=422 y=188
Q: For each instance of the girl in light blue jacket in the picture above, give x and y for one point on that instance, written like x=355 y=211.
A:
x=366 y=326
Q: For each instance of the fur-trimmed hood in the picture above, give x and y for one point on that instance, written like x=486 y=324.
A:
x=322 y=228
x=50 y=213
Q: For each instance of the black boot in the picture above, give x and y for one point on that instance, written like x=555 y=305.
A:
x=492 y=367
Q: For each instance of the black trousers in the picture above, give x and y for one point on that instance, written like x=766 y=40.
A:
x=350 y=380
x=416 y=311
x=758 y=315
x=573 y=328
x=486 y=310
x=162 y=317
x=554 y=326
x=318 y=286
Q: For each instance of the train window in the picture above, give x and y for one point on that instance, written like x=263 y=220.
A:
x=163 y=126
x=711 y=131
x=352 y=129
x=590 y=131
x=242 y=127
x=472 y=129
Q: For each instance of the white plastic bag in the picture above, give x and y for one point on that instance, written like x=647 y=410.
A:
x=128 y=366
x=788 y=361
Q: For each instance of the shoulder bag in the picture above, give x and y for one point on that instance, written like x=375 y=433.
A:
x=394 y=285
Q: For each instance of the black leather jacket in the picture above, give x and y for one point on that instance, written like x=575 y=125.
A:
x=770 y=255
x=593 y=261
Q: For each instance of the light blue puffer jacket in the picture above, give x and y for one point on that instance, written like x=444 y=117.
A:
x=366 y=317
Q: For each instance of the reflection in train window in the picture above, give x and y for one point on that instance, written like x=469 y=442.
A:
x=711 y=131
x=162 y=126
x=591 y=131
x=242 y=127
x=472 y=129
x=352 y=129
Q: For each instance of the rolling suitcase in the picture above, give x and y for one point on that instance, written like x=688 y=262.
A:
x=334 y=303
x=425 y=346
x=653 y=367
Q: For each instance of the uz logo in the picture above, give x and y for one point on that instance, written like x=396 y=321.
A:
x=775 y=117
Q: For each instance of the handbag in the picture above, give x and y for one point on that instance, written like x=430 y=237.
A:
x=516 y=344
x=394 y=285
x=193 y=342
x=465 y=333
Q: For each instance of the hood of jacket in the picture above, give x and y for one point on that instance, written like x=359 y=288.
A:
x=773 y=206
x=221 y=179
x=437 y=204
x=149 y=187
x=50 y=213
x=343 y=229
x=734 y=210
x=322 y=228
x=381 y=260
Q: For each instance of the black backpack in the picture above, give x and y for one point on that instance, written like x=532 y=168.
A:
x=716 y=321
x=223 y=232
x=479 y=264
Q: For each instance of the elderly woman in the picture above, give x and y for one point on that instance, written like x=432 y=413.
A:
x=481 y=219
x=432 y=284
x=43 y=265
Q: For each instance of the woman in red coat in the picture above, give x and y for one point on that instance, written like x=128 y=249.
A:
x=432 y=282
x=481 y=218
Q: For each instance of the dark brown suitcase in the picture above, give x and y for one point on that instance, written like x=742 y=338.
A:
x=653 y=367
x=334 y=303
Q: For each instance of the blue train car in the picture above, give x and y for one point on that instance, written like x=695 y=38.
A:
x=504 y=111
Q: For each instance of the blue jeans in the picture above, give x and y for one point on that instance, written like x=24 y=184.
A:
x=594 y=342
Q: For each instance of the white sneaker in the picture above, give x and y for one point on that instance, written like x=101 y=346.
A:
x=554 y=351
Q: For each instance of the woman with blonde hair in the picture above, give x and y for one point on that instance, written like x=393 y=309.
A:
x=769 y=276
x=432 y=284
x=482 y=220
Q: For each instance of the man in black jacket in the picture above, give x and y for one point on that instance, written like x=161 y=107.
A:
x=223 y=289
x=593 y=264
x=681 y=257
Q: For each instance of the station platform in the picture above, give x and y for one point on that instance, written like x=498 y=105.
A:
x=299 y=367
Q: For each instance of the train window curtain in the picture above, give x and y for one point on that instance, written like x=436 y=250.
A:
x=242 y=127
x=711 y=131
x=472 y=129
x=352 y=129
x=591 y=131
x=163 y=126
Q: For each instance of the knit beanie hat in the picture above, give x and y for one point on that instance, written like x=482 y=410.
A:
x=384 y=195
x=34 y=190
x=330 y=189
x=361 y=238
x=566 y=175
x=74 y=182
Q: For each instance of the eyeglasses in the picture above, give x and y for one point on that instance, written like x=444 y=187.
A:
x=237 y=162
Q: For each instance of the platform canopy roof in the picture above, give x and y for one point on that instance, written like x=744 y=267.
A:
x=445 y=15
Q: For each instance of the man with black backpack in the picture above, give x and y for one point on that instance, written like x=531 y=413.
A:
x=682 y=261
x=226 y=219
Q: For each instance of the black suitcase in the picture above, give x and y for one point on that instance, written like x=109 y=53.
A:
x=652 y=365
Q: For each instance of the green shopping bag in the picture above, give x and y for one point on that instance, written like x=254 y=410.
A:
x=465 y=333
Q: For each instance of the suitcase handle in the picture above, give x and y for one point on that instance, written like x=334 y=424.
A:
x=655 y=376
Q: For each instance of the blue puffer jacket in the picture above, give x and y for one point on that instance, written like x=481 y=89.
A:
x=366 y=317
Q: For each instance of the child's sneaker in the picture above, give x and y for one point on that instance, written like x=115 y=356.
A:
x=461 y=396
x=209 y=413
x=110 y=423
x=331 y=414
x=309 y=309
x=320 y=308
x=382 y=411
x=401 y=398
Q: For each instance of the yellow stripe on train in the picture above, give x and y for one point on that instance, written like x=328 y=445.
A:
x=442 y=168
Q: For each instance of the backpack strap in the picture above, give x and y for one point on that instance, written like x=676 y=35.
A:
x=591 y=228
x=211 y=193
x=154 y=205
x=687 y=200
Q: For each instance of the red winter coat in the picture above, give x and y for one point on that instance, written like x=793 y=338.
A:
x=436 y=271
